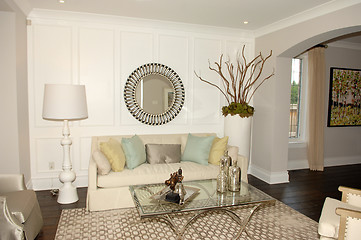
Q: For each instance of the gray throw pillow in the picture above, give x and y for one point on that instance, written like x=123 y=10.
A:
x=163 y=153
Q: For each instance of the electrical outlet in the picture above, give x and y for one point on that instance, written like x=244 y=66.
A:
x=51 y=165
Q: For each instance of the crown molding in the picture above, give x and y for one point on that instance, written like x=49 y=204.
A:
x=64 y=16
x=320 y=10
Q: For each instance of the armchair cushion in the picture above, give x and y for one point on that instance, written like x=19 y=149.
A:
x=329 y=221
x=21 y=203
x=354 y=199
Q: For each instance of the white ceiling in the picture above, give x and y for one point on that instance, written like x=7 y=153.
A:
x=223 y=13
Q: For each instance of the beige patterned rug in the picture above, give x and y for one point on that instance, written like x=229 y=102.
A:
x=269 y=222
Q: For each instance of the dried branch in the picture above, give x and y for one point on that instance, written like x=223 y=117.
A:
x=214 y=85
x=241 y=84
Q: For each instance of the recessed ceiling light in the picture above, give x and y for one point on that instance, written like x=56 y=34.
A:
x=245 y=22
x=62 y=1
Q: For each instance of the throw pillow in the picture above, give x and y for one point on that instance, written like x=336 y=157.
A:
x=197 y=149
x=103 y=165
x=219 y=146
x=134 y=151
x=163 y=153
x=114 y=152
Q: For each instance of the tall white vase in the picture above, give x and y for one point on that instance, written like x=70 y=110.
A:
x=239 y=132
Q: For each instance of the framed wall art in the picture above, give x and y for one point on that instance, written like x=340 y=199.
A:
x=344 y=107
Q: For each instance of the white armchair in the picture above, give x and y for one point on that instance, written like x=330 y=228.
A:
x=20 y=214
x=348 y=226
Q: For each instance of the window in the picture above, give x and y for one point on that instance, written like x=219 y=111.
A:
x=297 y=101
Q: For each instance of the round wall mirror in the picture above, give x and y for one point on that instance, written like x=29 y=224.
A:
x=154 y=94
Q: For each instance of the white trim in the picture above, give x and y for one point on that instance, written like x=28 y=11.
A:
x=329 y=162
x=269 y=177
x=317 y=11
x=54 y=183
x=345 y=44
x=339 y=161
x=61 y=17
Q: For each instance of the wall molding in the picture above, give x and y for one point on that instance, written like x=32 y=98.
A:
x=63 y=16
x=269 y=177
x=47 y=183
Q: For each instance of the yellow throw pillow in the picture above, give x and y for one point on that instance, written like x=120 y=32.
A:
x=218 y=147
x=114 y=152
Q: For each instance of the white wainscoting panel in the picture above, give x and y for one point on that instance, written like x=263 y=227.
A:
x=101 y=52
x=96 y=72
x=206 y=98
x=48 y=150
x=52 y=62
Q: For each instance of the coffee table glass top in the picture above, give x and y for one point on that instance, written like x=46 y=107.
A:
x=206 y=198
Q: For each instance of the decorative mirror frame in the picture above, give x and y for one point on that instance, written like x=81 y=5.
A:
x=130 y=89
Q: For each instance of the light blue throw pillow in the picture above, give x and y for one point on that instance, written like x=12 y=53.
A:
x=134 y=151
x=197 y=149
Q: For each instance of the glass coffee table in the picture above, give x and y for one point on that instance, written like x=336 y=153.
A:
x=202 y=197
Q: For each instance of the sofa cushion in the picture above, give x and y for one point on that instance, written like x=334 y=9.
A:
x=103 y=165
x=156 y=173
x=163 y=153
x=134 y=151
x=114 y=152
x=197 y=149
x=219 y=146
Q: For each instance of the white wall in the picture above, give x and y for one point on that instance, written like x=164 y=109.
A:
x=14 y=145
x=341 y=143
x=101 y=52
x=9 y=150
x=270 y=131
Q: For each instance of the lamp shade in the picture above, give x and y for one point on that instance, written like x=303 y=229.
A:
x=64 y=102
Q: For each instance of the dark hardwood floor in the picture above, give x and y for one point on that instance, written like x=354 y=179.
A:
x=305 y=193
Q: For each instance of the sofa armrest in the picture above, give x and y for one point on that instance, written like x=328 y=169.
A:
x=92 y=175
x=11 y=183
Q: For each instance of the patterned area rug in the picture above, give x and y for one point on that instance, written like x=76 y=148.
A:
x=269 y=222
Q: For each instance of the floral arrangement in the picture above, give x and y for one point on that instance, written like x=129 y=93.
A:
x=240 y=81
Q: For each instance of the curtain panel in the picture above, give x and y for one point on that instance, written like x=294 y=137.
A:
x=316 y=108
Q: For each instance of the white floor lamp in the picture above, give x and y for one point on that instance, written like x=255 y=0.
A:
x=65 y=102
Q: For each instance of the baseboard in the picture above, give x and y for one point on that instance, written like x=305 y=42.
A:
x=54 y=183
x=329 y=162
x=269 y=177
x=338 y=161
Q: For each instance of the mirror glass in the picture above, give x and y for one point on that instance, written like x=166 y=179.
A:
x=155 y=94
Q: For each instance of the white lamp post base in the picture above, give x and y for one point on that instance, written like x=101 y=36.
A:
x=67 y=194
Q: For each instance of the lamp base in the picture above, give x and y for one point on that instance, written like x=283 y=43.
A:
x=68 y=194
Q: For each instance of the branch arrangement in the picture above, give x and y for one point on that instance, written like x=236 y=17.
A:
x=244 y=78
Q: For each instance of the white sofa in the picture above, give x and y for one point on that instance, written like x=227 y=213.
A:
x=111 y=191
